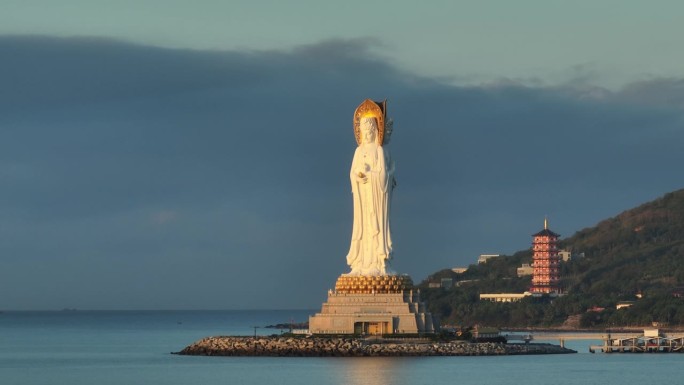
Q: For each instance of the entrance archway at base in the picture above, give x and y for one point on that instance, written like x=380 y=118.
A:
x=372 y=328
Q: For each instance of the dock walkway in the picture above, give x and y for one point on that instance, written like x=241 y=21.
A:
x=651 y=341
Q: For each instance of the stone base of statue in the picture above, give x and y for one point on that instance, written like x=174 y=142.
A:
x=373 y=305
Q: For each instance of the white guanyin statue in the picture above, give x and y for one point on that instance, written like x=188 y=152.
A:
x=372 y=182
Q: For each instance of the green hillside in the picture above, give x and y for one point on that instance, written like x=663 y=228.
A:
x=639 y=253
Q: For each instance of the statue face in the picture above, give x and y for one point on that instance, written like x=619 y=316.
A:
x=368 y=130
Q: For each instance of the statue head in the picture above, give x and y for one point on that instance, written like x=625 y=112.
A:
x=369 y=129
x=374 y=110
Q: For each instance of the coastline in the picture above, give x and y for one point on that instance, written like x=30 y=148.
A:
x=278 y=346
x=614 y=329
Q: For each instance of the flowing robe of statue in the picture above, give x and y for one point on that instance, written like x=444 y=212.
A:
x=371 y=182
x=391 y=183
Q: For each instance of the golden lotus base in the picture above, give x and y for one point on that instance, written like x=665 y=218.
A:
x=373 y=305
x=381 y=284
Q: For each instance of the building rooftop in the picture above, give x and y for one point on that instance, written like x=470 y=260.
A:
x=546 y=232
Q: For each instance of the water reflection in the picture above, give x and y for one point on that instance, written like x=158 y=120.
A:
x=369 y=370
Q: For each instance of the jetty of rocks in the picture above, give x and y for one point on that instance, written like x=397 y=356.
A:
x=277 y=346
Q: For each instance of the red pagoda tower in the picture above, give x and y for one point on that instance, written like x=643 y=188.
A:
x=545 y=262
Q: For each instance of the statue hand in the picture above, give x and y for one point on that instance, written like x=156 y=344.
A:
x=361 y=177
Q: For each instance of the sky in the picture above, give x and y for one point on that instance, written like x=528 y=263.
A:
x=195 y=155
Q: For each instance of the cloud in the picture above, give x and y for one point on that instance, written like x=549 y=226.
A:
x=201 y=174
x=662 y=92
x=50 y=72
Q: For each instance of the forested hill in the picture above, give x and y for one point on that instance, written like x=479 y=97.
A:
x=639 y=253
x=639 y=250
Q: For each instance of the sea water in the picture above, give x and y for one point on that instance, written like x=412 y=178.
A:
x=133 y=347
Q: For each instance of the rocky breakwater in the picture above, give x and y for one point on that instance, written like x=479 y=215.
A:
x=354 y=347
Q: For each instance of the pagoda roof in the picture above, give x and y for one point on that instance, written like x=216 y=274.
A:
x=546 y=232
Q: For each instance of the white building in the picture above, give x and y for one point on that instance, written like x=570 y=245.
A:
x=504 y=297
x=525 y=269
x=565 y=255
x=484 y=257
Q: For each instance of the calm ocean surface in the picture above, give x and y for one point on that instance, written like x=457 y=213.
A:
x=133 y=348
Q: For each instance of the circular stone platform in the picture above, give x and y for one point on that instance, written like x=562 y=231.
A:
x=381 y=284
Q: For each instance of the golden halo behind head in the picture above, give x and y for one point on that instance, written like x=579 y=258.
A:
x=369 y=108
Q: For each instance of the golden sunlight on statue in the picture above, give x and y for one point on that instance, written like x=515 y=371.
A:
x=371 y=299
x=372 y=181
